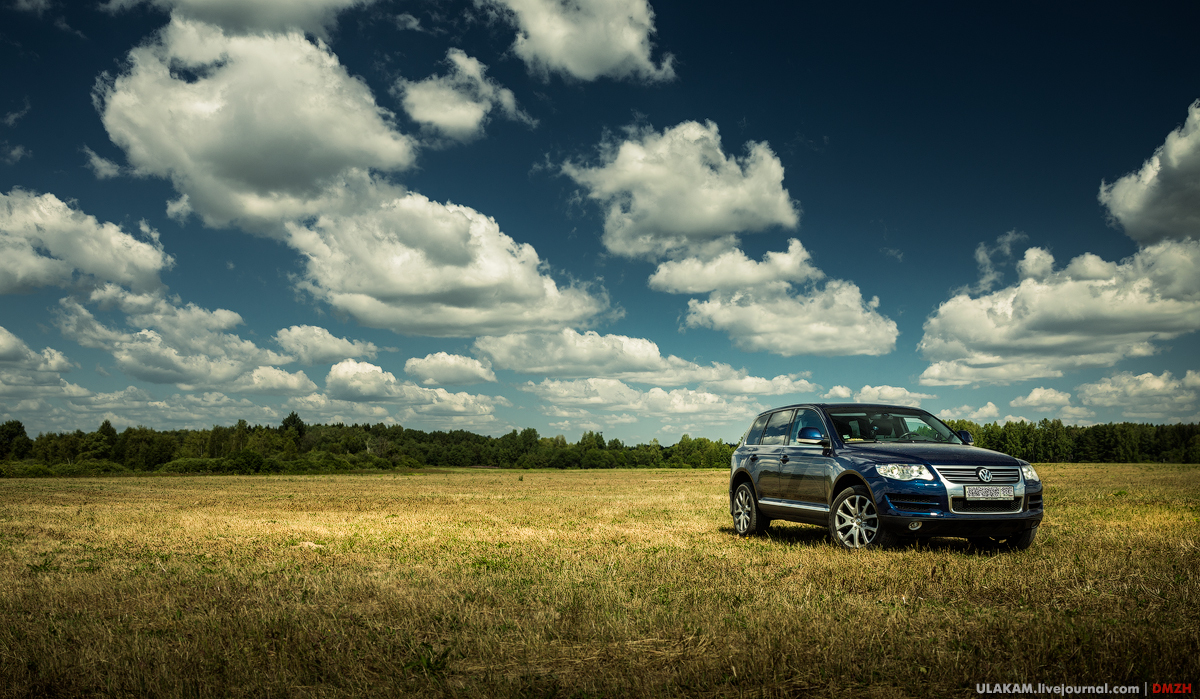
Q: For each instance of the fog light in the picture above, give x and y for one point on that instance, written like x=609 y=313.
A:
x=914 y=525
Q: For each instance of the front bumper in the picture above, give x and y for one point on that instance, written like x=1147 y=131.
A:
x=938 y=507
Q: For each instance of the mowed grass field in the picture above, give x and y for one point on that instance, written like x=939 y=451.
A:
x=581 y=583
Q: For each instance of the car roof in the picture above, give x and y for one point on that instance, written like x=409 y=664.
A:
x=844 y=406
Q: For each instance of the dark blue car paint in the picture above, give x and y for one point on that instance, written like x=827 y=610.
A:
x=799 y=482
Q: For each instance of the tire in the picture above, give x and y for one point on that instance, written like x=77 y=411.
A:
x=747 y=518
x=1017 y=542
x=854 y=521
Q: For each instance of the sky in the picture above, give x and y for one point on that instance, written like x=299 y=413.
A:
x=644 y=219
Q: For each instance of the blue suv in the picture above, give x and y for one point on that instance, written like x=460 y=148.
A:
x=879 y=475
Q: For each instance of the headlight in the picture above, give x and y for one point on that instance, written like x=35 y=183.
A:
x=904 y=472
x=1029 y=473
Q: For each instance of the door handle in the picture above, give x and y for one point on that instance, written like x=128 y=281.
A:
x=784 y=460
x=754 y=457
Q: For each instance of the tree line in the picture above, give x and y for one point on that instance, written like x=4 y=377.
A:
x=294 y=447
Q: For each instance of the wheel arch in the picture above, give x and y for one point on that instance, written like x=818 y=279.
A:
x=848 y=479
x=739 y=478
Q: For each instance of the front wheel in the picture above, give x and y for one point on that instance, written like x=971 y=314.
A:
x=747 y=519
x=854 y=521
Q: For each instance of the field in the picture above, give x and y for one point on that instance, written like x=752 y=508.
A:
x=575 y=583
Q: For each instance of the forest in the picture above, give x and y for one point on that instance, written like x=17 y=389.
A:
x=295 y=447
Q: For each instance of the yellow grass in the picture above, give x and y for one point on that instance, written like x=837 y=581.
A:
x=582 y=583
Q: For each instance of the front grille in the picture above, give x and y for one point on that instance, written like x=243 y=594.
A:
x=914 y=503
x=966 y=506
x=1001 y=475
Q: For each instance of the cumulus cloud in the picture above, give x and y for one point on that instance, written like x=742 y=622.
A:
x=1144 y=396
x=989 y=274
x=832 y=320
x=444 y=368
x=1162 y=200
x=26 y=374
x=571 y=354
x=733 y=270
x=966 y=412
x=312 y=16
x=185 y=345
x=1041 y=398
x=585 y=40
x=135 y=406
x=362 y=382
x=313 y=345
x=890 y=394
x=676 y=193
x=46 y=242
x=612 y=394
x=1092 y=313
x=250 y=129
x=457 y=105
x=839 y=392
x=420 y=267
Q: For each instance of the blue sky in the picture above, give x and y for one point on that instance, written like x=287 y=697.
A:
x=639 y=218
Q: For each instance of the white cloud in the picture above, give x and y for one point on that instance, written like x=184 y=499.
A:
x=612 y=394
x=102 y=167
x=890 y=394
x=838 y=392
x=966 y=412
x=457 y=105
x=135 y=406
x=184 y=345
x=10 y=119
x=1043 y=399
x=832 y=320
x=26 y=374
x=571 y=354
x=1092 y=313
x=1144 y=396
x=249 y=129
x=783 y=384
x=444 y=368
x=350 y=381
x=1013 y=418
x=35 y=6
x=1162 y=200
x=989 y=276
x=733 y=270
x=13 y=154
x=586 y=40
x=676 y=193
x=44 y=241
x=273 y=380
x=1075 y=414
x=313 y=345
x=313 y=16
x=420 y=267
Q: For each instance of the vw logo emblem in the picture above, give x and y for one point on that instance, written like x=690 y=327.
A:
x=984 y=475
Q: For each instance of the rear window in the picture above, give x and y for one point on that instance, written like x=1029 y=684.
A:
x=756 y=429
x=777 y=428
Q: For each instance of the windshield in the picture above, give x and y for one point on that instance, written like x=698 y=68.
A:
x=892 y=425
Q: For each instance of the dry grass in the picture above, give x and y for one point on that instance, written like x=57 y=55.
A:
x=576 y=583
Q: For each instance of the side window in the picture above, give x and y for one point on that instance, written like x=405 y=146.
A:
x=777 y=428
x=807 y=418
x=756 y=429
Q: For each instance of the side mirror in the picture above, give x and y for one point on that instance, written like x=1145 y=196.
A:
x=811 y=435
x=966 y=438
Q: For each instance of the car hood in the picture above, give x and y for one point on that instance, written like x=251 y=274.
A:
x=935 y=454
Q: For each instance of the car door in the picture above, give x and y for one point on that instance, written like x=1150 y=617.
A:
x=804 y=468
x=770 y=447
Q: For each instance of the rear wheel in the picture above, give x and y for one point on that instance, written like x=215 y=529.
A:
x=747 y=518
x=854 y=521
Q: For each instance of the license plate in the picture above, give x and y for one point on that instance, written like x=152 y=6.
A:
x=989 y=492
